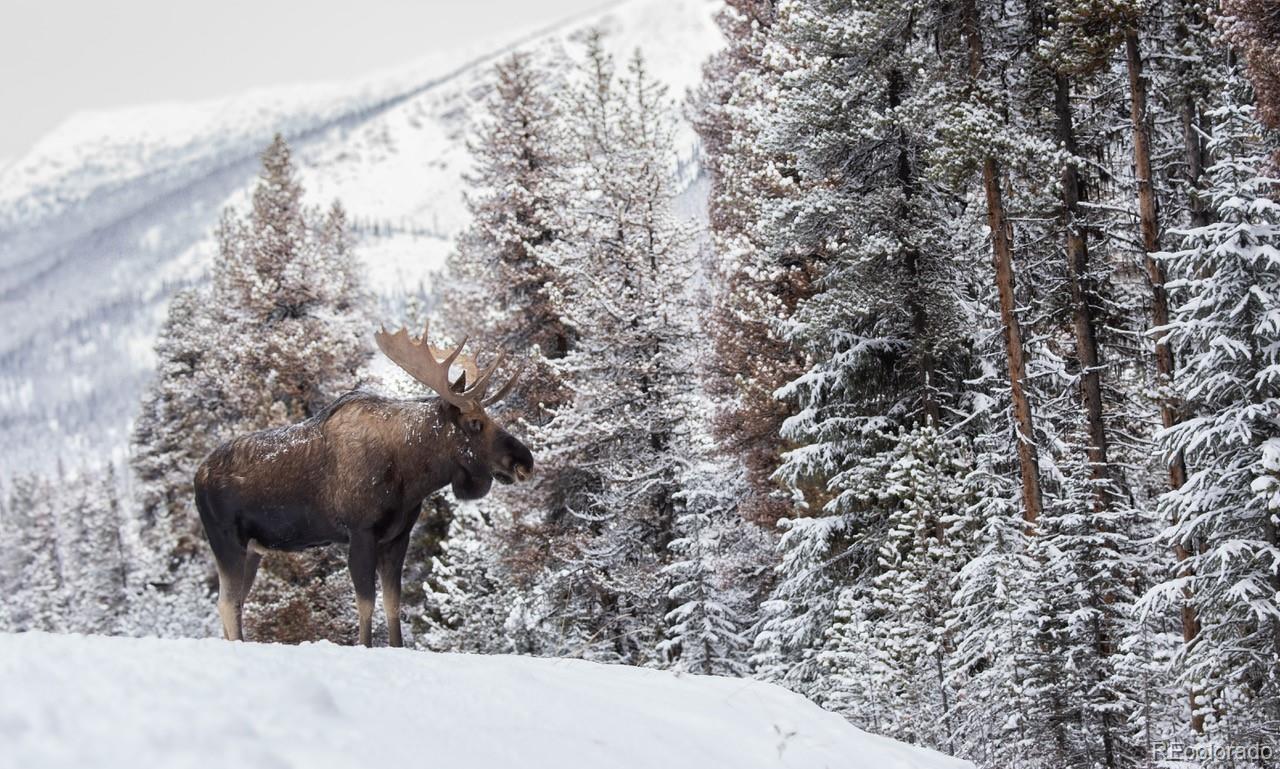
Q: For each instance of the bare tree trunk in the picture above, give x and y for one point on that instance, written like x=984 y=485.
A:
x=1002 y=256
x=1073 y=193
x=1150 y=227
x=1194 y=145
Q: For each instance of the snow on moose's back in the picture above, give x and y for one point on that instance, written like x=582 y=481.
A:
x=75 y=701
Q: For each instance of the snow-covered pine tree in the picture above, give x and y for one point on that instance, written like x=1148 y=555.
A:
x=343 y=285
x=499 y=288
x=619 y=441
x=1224 y=325
x=712 y=596
x=288 y=292
x=180 y=421
x=180 y=416
x=470 y=600
x=282 y=330
x=754 y=287
x=500 y=285
x=887 y=651
x=94 y=556
x=1175 y=66
x=35 y=594
x=1250 y=26
x=983 y=141
x=883 y=332
x=1087 y=317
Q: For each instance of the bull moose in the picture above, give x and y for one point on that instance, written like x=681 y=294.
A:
x=355 y=474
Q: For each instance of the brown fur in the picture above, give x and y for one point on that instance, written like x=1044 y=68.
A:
x=355 y=474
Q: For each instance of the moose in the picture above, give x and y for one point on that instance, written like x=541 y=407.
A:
x=356 y=473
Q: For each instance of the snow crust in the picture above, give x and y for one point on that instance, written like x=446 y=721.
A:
x=76 y=701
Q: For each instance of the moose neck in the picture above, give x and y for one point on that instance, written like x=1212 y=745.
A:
x=431 y=463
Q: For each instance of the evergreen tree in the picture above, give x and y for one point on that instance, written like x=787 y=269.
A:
x=94 y=561
x=885 y=656
x=289 y=303
x=1251 y=26
x=35 y=591
x=755 y=287
x=501 y=288
x=619 y=442
x=500 y=284
x=281 y=331
x=707 y=628
x=882 y=331
x=1226 y=278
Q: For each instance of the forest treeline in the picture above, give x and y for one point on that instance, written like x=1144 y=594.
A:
x=959 y=416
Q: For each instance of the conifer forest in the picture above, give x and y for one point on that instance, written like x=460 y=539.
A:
x=940 y=384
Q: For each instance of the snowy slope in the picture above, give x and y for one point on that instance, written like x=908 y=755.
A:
x=75 y=701
x=110 y=214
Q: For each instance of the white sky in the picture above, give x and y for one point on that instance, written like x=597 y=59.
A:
x=61 y=56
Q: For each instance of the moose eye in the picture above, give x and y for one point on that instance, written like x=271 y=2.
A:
x=474 y=426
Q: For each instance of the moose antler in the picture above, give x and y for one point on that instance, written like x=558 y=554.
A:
x=419 y=360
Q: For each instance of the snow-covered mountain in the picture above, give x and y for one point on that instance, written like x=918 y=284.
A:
x=75 y=701
x=112 y=212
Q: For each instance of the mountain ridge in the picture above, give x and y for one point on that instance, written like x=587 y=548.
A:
x=86 y=278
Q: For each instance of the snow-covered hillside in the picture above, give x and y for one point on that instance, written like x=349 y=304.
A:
x=110 y=214
x=76 y=701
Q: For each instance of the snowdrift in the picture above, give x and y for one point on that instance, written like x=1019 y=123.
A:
x=79 y=701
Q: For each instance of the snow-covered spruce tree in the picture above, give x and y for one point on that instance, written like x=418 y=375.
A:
x=94 y=554
x=991 y=624
x=754 y=287
x=469 y=600
x=35 y=595
x=1226 y=280
x=982 y=140
x=888 y=348
x=715 y=568
x=499 y=289
x=287 y=287
x=281 y=331
x=618 y=444
x=1081 y=301
x=500 y=285
x=1251 y=26
x=1175 y=67
x=171 y=434
x=888 y=647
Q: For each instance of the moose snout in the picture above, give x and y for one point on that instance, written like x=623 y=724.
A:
x=519 y=460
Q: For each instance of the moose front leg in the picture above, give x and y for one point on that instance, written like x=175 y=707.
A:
x=362 y=562
x=390 y=572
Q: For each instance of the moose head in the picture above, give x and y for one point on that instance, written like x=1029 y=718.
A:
x=480 y=448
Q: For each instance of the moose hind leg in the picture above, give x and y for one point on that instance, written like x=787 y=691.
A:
x=362 y=559
x=251 y=561
x=231 y=591
x=390 y=571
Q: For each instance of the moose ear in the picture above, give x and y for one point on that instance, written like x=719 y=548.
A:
x=461 y=383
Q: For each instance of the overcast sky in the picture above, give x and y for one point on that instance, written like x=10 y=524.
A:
x=60 y=56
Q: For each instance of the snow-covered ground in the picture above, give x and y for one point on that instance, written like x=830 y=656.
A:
x=77 y=701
